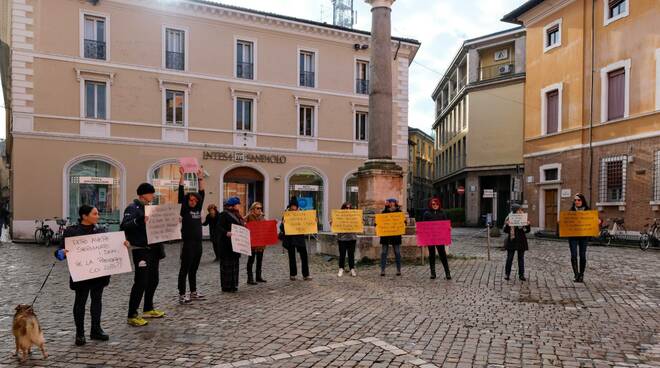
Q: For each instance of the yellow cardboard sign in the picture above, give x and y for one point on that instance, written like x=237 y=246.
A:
x=578 y=223
x=300 y=222
x=347 y=221
x=390 y=224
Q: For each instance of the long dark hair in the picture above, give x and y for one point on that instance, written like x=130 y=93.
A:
x=585 y=205
x=346 y=205
x=85 y=210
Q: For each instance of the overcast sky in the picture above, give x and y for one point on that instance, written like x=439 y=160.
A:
x=440 y=25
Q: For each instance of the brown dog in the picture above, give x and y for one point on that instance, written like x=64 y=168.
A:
x=27 y=331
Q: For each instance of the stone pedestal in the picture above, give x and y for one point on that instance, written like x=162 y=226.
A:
x=377 y=181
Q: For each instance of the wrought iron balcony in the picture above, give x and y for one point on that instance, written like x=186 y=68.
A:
x=362 y=86
x=307 y=79
x=95 y=49
x=244 y=70
x=174 y=60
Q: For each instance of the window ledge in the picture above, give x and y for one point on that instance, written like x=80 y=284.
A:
x=655 y=205
x=550 y=182
x=601 y=205
x=615 y=18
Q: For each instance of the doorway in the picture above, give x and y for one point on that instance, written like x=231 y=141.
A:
x=245 y=183
x=550 y=209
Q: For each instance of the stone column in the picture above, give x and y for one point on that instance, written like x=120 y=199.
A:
x=380 y=177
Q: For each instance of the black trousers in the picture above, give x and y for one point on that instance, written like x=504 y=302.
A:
x=578 y=245
x=191 y=256
x=293 y=269
x=259 y=256
x=229 y=268
x=216 y=249
x=95 y=308
x=145 y=282
x=443 y=258
x=509 y=262
x=347 y=246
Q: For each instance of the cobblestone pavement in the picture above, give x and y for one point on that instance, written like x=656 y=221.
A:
x=476 y=319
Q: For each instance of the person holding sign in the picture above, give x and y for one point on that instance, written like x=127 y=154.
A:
x=293 y=243
x=229 y=260
x=435 y=213
x=89 y=217
x=212 y=222
x=191 y=234
x=579 y=243
x=391 y=205
x=346 y=242
x=256 y=214
x=146 y=258
x=516 y=242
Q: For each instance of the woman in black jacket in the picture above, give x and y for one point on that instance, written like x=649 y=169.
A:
x=579 y=204
x=211 y=221
x=229 y=260
x=391 y=205
x=293 y=243
x=89 y=217
x=516 y=242
x=435 y=213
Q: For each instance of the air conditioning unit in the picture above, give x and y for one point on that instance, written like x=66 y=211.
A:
x=503 y=69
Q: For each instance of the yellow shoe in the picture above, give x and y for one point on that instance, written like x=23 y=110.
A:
x=154 y=313
x=137 y=321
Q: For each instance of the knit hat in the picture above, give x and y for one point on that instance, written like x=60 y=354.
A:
x=515 y=207
x=293 y=202
x=232 y=201
x=393 y=200
x=145 y=188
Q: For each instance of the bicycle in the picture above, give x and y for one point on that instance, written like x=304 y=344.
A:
x=606 y=235
x=43 y=234
x=650 y=236
x=59 y=235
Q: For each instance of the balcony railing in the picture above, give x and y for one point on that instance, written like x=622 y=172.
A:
x=174 y=60
x=94 y=49
x=307 y=79
x=496 y=71
x=244 y=70
x=362 y=86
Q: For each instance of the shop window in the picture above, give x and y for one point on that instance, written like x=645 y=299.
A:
x=165 y=179
x=351 y=193
x=96 y=183
x=308 y=187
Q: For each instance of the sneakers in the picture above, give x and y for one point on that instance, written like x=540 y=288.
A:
x=154 y=313
x=184 y=299
x=340 y=273
x=196 y=295
x=307 y=278
x=292 y=278
x=353 y=273
x=137 y=321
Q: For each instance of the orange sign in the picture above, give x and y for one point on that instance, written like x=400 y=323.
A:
x=578 y=224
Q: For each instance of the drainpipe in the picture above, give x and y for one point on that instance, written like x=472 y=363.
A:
x=591 y=97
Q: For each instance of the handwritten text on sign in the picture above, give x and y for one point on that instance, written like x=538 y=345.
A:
x=578 y=223
x=300 y=222
x=240 y=240
x=189 y=164
x=433 y=233
x=163 y=224
x=347 y=221
x=97 y=255
x=390 y=224
x=518 y=219
x=262 y=233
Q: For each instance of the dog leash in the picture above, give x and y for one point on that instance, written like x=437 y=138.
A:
x=44 y=284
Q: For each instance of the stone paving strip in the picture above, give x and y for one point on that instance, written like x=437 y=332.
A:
x=411 y=359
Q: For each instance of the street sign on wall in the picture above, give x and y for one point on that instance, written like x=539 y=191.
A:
x=488 y=193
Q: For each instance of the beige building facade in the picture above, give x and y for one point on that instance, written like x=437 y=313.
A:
x=421 y=157
x=110 y=95
x=478 y=126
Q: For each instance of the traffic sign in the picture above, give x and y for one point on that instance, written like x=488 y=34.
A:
x=461 y=190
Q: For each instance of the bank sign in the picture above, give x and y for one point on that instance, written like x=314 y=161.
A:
x=244 y=157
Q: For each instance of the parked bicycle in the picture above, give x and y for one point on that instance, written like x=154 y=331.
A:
x=607 y=235
x=650 y=236
x=44 y=235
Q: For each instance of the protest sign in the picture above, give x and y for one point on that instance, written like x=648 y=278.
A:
x=390 y=224
x=578 y=223
x=164 y=222
x=262 y=233
x=240 y=240
x=518 y=219
x=347 y=221
x=433 y=233
x=97 y=255
x=189 y=164
x=300 y=222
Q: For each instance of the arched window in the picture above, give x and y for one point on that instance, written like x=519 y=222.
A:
x=165 y=178
x=96 y=183
x=307 y=186
x=351 y=193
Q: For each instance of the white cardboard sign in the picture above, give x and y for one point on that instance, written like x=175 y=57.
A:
x=240 y=240
x=518 y=219
x=164 y=223
x=96 y=255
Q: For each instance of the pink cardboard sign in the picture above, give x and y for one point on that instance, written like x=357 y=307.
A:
x=433 y=233
x=189 y=164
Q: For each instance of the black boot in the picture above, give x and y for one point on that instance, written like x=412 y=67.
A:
x=432 y=272
x=447 y=275
x=576 y=272
x=251 y=279
x=259 y=278
x=98 y=334
x=80 y=340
